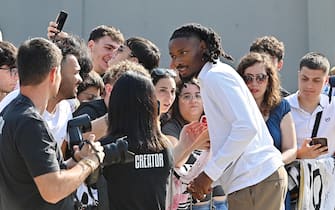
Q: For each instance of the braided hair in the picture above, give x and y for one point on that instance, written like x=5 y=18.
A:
x=208 y=35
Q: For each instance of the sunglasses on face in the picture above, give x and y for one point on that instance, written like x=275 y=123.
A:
x=260 y=78
x=158 y=72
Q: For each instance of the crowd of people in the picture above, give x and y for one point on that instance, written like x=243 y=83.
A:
x=199 y=134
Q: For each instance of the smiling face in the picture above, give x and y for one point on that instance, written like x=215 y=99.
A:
x=70 y=77
x=311 y=82
x=102 y=50
x=165 y=90
x=187 y=56
x=256 y=79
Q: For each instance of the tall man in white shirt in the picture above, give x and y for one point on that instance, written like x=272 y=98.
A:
x=244 y=160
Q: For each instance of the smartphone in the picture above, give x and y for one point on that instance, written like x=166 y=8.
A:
x=319 y=140
x=60 y=20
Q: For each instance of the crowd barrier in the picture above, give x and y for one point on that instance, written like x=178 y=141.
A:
x=312 y=184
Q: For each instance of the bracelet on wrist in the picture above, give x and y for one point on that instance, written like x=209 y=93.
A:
x=90 y=163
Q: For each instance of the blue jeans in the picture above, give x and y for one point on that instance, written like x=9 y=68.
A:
x=217 y=205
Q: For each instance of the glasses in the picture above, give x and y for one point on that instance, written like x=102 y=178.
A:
x=260 y=78
x=189 y=97
x=12 y=71
x=159 y=72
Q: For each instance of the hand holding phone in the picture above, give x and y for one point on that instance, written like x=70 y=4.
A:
x=319 y=140
x=54 y=28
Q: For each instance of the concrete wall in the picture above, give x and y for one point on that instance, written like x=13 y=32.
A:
x=301 y=25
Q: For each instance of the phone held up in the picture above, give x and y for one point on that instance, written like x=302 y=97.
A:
x=60 y=20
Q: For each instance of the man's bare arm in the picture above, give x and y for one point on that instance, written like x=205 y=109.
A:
x=55 y=186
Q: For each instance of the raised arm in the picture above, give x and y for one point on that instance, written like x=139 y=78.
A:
x=193 y=136
x=53 y=31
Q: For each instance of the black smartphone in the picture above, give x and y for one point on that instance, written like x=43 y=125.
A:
x=319 y=140
x=60 y=20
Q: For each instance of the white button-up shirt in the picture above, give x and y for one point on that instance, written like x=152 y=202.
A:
x=242 y=148
x=304 y=121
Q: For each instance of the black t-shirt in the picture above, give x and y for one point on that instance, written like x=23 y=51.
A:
x=172 y=128
x=27 y=150
x=95 y=109
x=139 y=185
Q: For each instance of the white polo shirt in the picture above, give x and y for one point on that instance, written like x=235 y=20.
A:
x=242 y=148
x=304 y=121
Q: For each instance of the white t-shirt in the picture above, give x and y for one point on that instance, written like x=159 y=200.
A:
x=57 y=121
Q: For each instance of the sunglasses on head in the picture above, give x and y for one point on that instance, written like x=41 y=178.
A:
x=260 y=78
x=163 y=72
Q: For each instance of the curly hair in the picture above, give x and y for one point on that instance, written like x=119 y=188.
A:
x=208 y=35
x=272 y=95
x=114 y=72
x=269 y=45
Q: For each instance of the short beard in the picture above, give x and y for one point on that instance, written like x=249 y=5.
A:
x=189 y=78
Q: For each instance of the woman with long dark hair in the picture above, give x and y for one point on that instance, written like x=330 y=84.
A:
x=133 y=112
